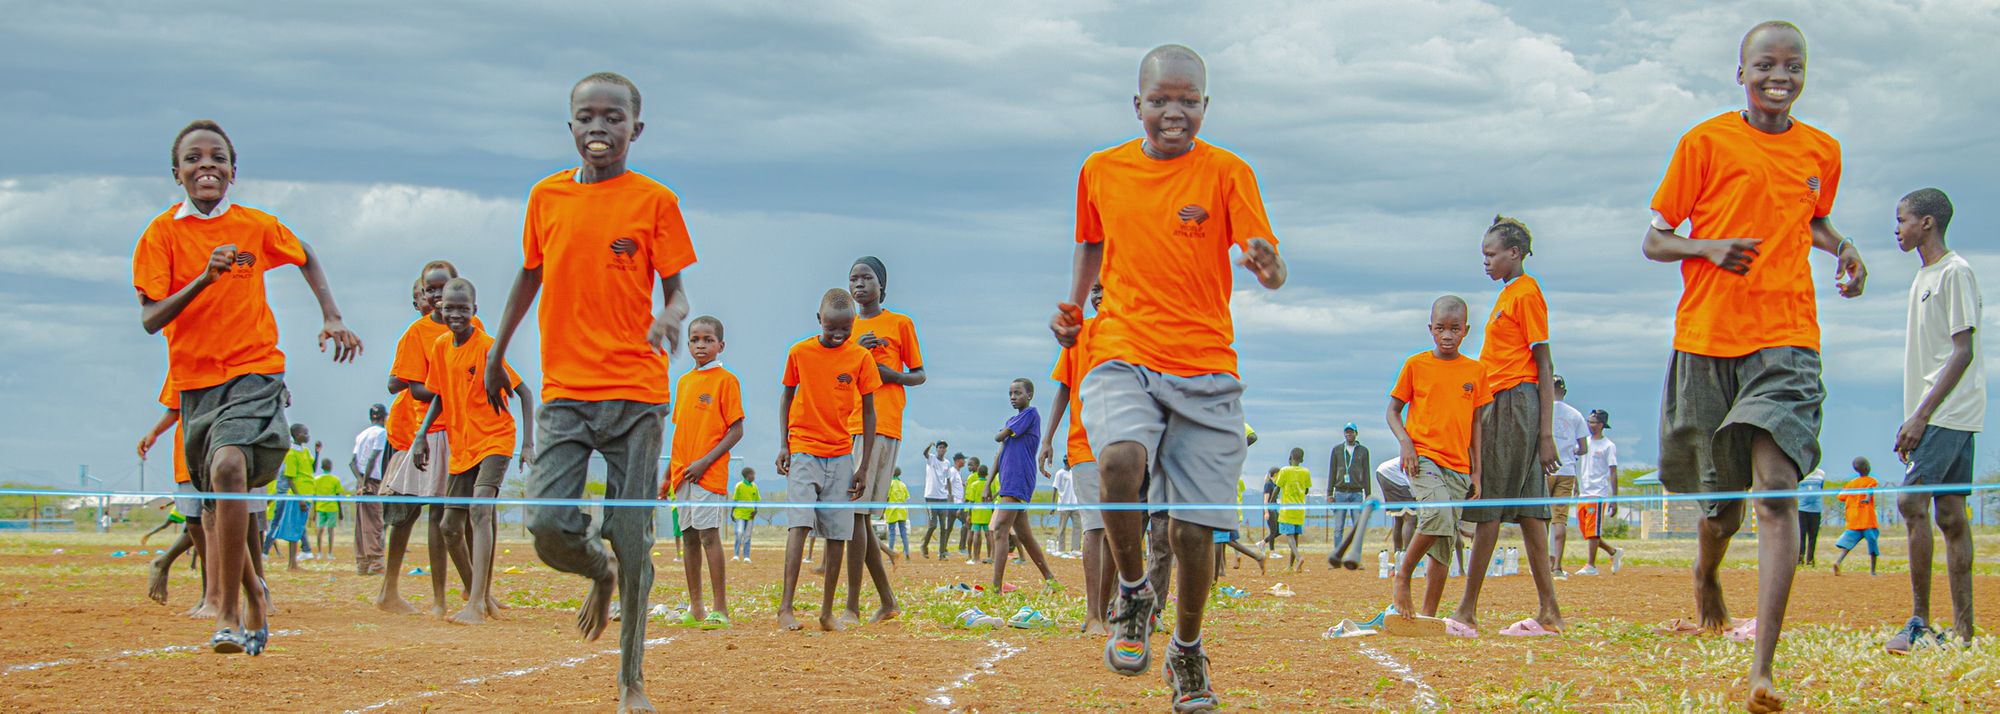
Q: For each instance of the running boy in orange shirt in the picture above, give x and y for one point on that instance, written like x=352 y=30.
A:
x=1861 y=521
x=481 y=434
x=595 y=237
x=1447 y=396
x=826 y=378
x=1743 y=398
x=1098 y=575
x=199 y=273
x=892 y=339
x=708 y=421
x=1156 y=217
x=1518 y=448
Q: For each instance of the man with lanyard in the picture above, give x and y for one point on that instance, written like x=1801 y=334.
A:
x=1347 y=484
x=942 y=485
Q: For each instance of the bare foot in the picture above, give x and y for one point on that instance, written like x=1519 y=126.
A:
x=1713 y=613
x=887 y=613
x=201 y=611
x=1404 y=606
x=827 y=624
x=471 y=615
x=494 y=606
x=788 y=623
x=1764 y=697
x=850 y=619
x=595 y=613
x=819 y=569
x=156 y=587
x=632 y=698
x=438 y=610
x=394 y=605
x=1836 y=568
x=1096 y=627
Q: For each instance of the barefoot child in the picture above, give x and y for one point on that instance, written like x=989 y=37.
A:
x=1294 y=481
x=1447 y=398
x=199 y=269
x=594 y=240
x=1600 y=480
x=1944 y=393
x=193 y=536
x=1519 y=436
x=1861 y=521
x=1016 y=465
x=407 y=477
x=1742 y=404
x=745 y=497
x=891 y=338
x=481 y=434
x=1156 y=217
x=1098 y=573
x=826 y=377
x=708 y=421
x=326 y=513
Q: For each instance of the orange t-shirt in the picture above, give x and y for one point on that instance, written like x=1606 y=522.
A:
x=1166 y=272
x=900 y=353
x=457 y=373
x=171 y=399
x=1520 y=320
x=1860 y=506
x=411 y=364
x=1732 y=181
x=600 y=247
x=1444 y=397
x=227 y=331
x=707 y=401
x=1071 y=365
x=830 y=382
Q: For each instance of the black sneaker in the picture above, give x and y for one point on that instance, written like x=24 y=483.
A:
x=1187 y=673
x=1129 y=651
x=1914 y=635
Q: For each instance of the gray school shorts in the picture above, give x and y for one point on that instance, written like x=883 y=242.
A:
x=1508 y=462
x=818 y=479
x=881 y=466
x=1943 y=457
x=247 y=412
x=702 y=518
x=489 y=473
x=1436 y=484
x=1191 y=428
x=187 y=501
x=1714 y=407
x=1084 y=481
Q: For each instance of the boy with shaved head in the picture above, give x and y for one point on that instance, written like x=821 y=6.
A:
x=826 y=378
x=1155 y=219
x=1743 y=398
x=1447 y=398
x=595 y=237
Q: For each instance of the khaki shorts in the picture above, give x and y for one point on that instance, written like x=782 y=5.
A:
x=881 y=466
x=1436 y=484
x=1561 y=486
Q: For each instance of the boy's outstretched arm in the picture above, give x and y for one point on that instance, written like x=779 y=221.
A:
x=526 y=397
x=527 y=284
x=729 y=438
x=665 y=335
x=912 y=378
x=1056 y=411
x=167 y=421
x=867 y=447
x=420 y=448
x=1408 y=448
x=346 y=344
x=784 y=464
x=422 y=393
x=1735 y=255
x=1912 y=431
x=1850 y=274
x=1262 y=258
x=1084 y=266
x=155 y=314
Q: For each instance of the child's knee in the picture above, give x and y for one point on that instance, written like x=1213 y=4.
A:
x=547 y=523
x=229 y=470
x=1916 y=509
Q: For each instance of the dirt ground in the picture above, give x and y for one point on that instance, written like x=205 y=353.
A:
x=81 y=636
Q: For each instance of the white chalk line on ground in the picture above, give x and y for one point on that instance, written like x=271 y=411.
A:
x=1001 y=651
x=509 y=674
x=51 y=664
x=1426 y=698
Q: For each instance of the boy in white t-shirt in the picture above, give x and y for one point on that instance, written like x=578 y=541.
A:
x=1944 y=396
x=1570 y=432
x=1599 y=479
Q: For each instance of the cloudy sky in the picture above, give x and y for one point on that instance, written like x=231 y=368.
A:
x=945 y=138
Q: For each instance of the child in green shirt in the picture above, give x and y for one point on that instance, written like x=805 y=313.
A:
x=1293 y=483
x=898 y=518
x=745 y=493
x=976 y=493
x=326 y=514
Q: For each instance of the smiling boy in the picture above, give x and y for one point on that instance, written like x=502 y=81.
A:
x=1742 y=404
x=594 y=240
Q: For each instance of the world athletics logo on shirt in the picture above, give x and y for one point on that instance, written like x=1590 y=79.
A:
x=844 y=378
x=1192 y=217
x=706 y=399
x=624 y=252
x=246 y=261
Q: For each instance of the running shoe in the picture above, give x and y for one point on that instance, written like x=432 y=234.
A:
x=1617 y=561
x=1129 y=650
x=1187 y=672
x=1914 y=635
x=1587 y=570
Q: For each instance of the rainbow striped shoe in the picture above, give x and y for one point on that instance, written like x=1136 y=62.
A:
x=1129 y=651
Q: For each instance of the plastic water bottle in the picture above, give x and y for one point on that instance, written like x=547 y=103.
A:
x=1454 y=568
x=1513 y=561
x=1382 y=565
